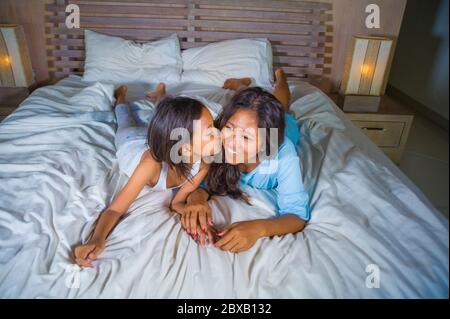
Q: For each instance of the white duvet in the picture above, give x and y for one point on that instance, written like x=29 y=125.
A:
x=370 y=226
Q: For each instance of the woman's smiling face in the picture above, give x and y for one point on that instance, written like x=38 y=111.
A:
x=240 y=138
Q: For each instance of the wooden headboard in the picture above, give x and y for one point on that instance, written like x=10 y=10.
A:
x=297 y=29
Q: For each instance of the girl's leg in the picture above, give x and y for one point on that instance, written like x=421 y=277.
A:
x=281 y=91
x=127 y=129
x=122 y=110
x=130 y=139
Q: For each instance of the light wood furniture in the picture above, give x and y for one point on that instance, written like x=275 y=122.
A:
x=365 y=73
x=296 y=29
x=10 y=98
x=389 y=128
x=361 y=103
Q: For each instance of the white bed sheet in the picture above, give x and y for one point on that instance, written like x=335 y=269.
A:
x=58 y=171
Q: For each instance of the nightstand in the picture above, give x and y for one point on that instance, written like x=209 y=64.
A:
x=388 y=128
x=10 y=98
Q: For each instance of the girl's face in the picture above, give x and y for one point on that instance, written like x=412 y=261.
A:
x=240 y=138
x=206 y=140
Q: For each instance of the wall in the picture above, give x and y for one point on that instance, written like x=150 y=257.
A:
x=348 y=15
x=421 y=62
x=349 y=19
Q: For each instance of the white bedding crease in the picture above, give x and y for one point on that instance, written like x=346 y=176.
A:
x=58 y=171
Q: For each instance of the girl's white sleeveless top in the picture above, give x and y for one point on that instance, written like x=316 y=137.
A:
x=161 y=185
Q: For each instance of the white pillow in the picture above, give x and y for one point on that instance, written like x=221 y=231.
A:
x=216 y=62
x=116 y=60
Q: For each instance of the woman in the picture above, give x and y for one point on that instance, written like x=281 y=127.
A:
x=250 y=109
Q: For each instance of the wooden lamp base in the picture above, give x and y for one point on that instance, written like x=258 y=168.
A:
x=361 y=103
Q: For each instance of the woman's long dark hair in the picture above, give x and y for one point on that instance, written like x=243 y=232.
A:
x=223 y=178
x=170 y=114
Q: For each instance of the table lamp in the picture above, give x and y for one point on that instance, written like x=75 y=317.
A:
x=366 y=73
x=15 y=63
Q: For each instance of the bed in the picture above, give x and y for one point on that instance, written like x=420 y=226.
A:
x=373 y=234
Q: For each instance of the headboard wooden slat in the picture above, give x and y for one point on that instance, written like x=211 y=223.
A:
x=267 y=4
x=261 y=15
x=125 y=10
x=143 y=3
x=297 y=29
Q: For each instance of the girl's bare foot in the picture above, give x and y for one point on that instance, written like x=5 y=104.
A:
x=237 y=84
x=158 y=94
x=120 y=94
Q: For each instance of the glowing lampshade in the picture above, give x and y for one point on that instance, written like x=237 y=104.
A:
x=366 y=67
x=15 y=63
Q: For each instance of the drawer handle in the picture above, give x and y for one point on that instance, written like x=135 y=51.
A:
x=379 y=129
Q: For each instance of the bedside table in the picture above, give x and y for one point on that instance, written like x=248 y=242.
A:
x=10 y=98
x=389 y=128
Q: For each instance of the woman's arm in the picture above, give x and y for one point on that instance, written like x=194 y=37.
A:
x=292 y=202
x=242 y=236
x=283 y=225
x=144 y=173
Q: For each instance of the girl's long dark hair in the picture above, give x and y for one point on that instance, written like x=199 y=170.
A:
x=223 y=178
x=170 y=114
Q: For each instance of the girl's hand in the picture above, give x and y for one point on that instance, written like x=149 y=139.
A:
x=196 y=215
x=210 y=235
x=85 y=254
x=240 y=236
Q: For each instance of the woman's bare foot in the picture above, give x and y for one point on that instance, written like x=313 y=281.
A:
x=280 y=78
x=237 y=84
x=120 y=94
x=281 y=90
x=158 y=94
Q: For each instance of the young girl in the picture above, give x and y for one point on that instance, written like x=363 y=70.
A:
x=253 y=108
x=154 y=165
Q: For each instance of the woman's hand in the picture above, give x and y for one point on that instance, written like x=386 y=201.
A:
x=241 y=236
x=85 y=254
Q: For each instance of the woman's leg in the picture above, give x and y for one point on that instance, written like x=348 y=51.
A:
x=281 y=90
x=158 y=94
x=237 y=84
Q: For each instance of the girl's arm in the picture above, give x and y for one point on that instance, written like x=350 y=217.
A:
x=143 y=173
x=194 y=211
x=199 y=196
